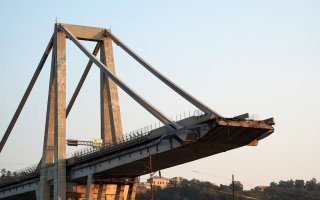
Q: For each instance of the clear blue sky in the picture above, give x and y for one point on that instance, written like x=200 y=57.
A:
x=261 y=57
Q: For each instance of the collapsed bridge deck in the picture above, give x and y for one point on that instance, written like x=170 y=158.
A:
x=120 y=162
x=202 y=136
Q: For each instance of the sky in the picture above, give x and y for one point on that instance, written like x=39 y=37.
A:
x=260 y=57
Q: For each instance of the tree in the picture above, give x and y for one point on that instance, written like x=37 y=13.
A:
x=225 y=187
x=9 y=173
x=286 y=184
x=3 y=171
x=311 y=185
x=237 y=186
x=273 y=184
x=172 y=183
x=299 y=184
x=195 y=189
x=15 y=174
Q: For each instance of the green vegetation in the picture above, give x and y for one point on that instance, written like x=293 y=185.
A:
x=6 y=174
x=195 y=189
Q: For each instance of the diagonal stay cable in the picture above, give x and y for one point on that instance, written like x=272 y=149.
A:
x=165 y=120
x=163 y=78
x=26 y=94
x=82 y=79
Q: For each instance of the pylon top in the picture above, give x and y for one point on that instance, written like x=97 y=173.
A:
x=86 y=32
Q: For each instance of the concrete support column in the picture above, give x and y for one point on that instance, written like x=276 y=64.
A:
x=132 y=190
x=120 y=192
x=37 y=194
x=100 y=192
x=60 y=185
x=89 y=190
x=47 y=153
x=111 y=127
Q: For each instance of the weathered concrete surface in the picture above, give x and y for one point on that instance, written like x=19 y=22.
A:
x=225 y=136
x=197 y=139
x=55 y=132
x=204 y=136
x=48 y=143
x=111 y=125
x=60 y=185
x=24 y=196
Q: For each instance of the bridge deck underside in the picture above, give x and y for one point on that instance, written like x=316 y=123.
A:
x=25 y=196
x=223 y=135
x=220 y=139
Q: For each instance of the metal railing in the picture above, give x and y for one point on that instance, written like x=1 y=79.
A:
x=130 y=138
x=153 y=126
x=19 y=175
x=94 y=151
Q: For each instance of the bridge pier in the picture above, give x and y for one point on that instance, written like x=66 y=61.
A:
x=60 y=185
x=101 y=191
x=54 y=147
x=90 y=187
x=120 y=192
x=132 y=189
x=111 y=126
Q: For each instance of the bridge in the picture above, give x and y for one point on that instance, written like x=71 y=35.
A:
x=110 y=171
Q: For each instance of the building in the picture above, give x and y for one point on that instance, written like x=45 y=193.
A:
x=158 y=181
x=176 y=181
x=261 y=188
x=143 y=187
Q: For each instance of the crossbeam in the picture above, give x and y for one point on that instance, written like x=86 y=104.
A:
x=165 y=120
x=163 y=78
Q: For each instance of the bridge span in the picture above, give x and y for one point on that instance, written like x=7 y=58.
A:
x=202 y=136
x=112 y=170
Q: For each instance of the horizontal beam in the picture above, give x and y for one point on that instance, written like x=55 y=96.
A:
x=20 y=188
x=26 y=94
x=85 y=32
x=165 y=120
x=163 y=78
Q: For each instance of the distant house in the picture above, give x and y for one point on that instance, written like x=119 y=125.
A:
x=158 y=181
x=261 y=188
x=143 y=187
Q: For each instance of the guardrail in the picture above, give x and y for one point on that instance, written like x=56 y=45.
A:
x=149 y=128
x=93 y=151
x=130 y=138
x=19 y=175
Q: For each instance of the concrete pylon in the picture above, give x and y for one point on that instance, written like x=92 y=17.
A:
x=60 y=185
x=54 y=147
x=111 y=126
x=47 y=153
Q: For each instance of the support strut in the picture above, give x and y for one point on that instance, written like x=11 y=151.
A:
x=166 y=121
x=26 y=94
x=164 y=79
x=83 y=78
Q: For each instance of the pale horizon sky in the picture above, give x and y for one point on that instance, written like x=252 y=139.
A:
x=260 y=57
